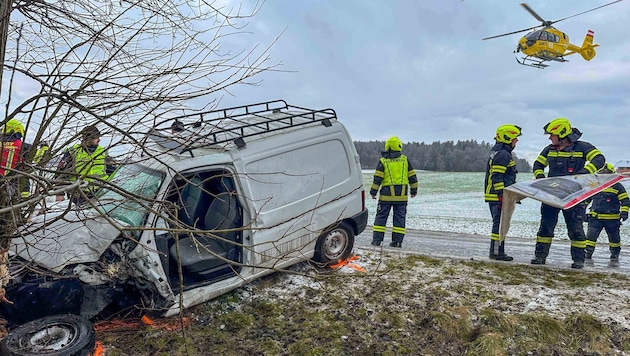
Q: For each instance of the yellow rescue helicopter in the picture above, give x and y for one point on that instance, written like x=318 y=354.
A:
x=547 y=43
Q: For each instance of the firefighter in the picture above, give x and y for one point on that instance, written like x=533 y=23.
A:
x=12 y=147
x=501 y=172
x=607 y=208
x=396 y=179
x=86 y=160
x=566 y=155
x=42 y=153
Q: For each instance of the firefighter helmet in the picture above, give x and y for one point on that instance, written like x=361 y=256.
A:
x=14 y=125
x=507 y=133
x=393 y=144
x=559 y=126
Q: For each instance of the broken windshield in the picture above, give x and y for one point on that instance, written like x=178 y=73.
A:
x=132 y=192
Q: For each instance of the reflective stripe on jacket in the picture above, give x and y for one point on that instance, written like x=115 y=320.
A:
x=500 y=171
x=608 y=203
x=569 y=160
x=395 y=177
x=10 y=155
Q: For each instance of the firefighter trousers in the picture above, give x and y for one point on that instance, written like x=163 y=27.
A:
x=574 y=218
x=595 y=227
x=497 y=247
x=380 y=221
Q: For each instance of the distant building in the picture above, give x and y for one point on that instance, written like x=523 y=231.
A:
x=623 y=166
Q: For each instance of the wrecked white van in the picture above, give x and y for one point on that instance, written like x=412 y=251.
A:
x=238 y=194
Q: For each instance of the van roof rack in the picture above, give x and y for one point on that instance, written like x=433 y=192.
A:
x=237 y=123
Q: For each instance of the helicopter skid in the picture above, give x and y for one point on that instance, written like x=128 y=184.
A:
x=532 y=62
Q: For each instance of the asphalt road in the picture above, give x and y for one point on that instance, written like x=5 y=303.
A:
x=476 y=247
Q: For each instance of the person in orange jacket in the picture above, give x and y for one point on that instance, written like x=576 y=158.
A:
x=11 y=147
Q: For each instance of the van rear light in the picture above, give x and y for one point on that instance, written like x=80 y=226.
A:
x=362 y=199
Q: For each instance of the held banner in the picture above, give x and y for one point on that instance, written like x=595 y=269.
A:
x=561 y=192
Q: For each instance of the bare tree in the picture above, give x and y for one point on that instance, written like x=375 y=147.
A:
x=127 y=66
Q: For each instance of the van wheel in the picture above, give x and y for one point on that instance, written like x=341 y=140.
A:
x=55 y=335
x=335 y=244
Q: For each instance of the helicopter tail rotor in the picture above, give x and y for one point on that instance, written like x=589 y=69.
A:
x=587 y=51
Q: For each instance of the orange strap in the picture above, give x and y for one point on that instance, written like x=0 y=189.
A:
x=347 y=262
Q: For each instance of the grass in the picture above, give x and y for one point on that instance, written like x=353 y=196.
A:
x=404 y=305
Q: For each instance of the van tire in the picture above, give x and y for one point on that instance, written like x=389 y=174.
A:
x=335 y=244
x=55 y=335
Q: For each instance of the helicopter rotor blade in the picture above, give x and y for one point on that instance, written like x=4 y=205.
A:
x=533 y=13
x=583 y=12
x=510 y=33
x=544 y=22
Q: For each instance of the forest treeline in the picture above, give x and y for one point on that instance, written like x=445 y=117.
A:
x=449 y=156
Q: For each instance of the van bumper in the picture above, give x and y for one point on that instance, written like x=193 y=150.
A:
x=360 y=221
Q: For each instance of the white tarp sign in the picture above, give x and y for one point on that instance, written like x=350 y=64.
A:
x=562 y=192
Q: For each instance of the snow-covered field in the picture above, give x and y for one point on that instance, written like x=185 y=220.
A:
x=453 y=202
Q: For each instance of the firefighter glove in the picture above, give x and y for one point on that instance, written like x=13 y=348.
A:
x=624 y=216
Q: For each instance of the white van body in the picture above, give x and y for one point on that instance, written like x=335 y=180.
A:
x=238 y=195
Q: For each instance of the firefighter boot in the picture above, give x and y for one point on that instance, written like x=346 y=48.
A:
x=494 y=249
x=377 y=238
x=578 y=256
x=395 y=244
x=577 y=264
x=499 y=253
x=614 y=253
x=589 y=252
x=542 y=250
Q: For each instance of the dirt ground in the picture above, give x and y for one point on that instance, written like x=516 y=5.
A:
x=397 y=304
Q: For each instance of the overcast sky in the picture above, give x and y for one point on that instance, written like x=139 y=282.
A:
x=418 y=69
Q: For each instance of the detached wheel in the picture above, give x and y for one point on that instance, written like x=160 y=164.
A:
x=56 y=335
x=334 y=244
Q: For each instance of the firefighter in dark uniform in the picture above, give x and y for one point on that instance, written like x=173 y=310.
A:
x=607 y=208
x=566 y=155
x=501 y=172
x=396 y=179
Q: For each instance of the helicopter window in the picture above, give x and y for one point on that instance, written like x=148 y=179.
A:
x=533 y=36
x=543 y=36
x=557 y=38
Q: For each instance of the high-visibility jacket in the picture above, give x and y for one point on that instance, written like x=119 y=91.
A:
x=89 y=164
x=39 y=154
x=500 y=171
x=610 y=202
x=11 y=147
x=569 y=160
x=395 y=177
